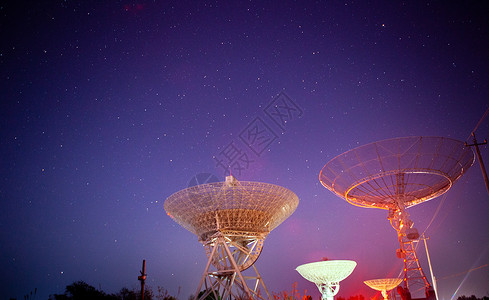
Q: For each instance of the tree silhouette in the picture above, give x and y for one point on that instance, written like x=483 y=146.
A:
x=473 y=297
x=127 y=294
x=80 y=290
x=164 y=295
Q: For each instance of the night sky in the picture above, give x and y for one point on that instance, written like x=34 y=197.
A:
x=109 y=107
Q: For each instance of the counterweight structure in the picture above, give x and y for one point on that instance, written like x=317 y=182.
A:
x=394 y=175
x=232 y=220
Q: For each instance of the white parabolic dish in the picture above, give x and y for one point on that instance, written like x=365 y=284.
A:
x=327 y=271
x=384 y=284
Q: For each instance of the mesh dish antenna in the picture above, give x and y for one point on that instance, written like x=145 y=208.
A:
x=231 y=219
x=383 y=285
x=396 y=174
x=327 y=275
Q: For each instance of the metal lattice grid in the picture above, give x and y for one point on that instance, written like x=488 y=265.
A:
x=396 y=174
x=231 y=219
x=414 y=278
x=383 y=285
x=401 y=171
x=235 y=208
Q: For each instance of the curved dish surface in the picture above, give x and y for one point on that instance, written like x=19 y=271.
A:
x=402 y=171
x=384 y=284
x=240 y=208
x=327 y=271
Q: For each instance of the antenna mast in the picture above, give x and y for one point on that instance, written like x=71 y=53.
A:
x=142 y=278
x=429 y=264
x=481 y=163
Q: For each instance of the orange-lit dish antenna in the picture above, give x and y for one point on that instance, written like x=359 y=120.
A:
x=383 y=285
x=396 y=174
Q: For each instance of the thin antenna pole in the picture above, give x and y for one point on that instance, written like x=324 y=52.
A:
x=483 y=169
x=141 y=278
x=429 y=264
x=480 y=121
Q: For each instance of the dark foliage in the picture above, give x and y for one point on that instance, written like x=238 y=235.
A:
x=473 y=297
x=163 y=295
x=82 y=291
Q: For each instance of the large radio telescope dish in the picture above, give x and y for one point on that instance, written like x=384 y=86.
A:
x=396 y=174
x=327 y=275
x=401 y=171
x=231 y=219
x=235 y=208
x=383 y=285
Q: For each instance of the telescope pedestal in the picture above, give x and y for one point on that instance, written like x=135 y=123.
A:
x=328 y=290
x=414 y=277
x=223 y=276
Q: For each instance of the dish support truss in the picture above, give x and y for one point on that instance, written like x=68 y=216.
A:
x=228 y=256
x=329 y=289
x=414 y=278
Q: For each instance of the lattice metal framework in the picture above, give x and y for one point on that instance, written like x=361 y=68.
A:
x=396 y=174
x=368 y=176
x=383 y=285
x=414 y=278
x=327 y=275
x=232 y=220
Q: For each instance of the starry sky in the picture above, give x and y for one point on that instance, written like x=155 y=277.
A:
x=109 y=107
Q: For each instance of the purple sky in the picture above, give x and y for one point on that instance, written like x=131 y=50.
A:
x=109 y=107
